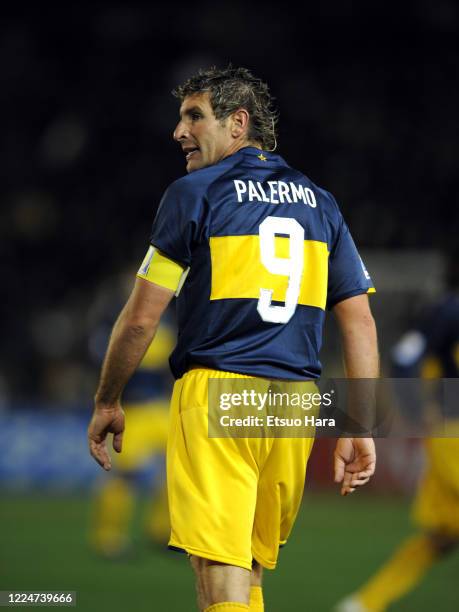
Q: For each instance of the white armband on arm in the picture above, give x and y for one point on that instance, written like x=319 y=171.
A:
x=159 y=269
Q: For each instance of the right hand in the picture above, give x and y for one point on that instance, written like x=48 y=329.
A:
x=105 y=420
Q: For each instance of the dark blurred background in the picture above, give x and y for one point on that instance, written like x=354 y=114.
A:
x=368 y=98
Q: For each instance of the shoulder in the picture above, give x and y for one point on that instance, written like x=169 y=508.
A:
x=196 y=183
x=325 y=200
x=185 y=187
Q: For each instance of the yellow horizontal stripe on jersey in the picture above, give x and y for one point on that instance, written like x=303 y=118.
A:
x=237 y=270
x=371 y=290
x=159 y=269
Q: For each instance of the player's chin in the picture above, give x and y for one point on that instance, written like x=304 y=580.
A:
x=194 y=164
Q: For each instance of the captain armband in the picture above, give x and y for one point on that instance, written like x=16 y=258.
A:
x=159 y=269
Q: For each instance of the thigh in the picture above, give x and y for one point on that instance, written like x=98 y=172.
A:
x=280 y=491
x=443 y=455
x=436 y=505
x=212 y=482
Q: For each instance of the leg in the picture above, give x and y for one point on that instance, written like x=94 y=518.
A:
x=403 y=572
x=256 y=592
x=218 y=582
x=157 y=521
x=114 y=507
x=256 y=576
x=195 y=564
x=210 y=480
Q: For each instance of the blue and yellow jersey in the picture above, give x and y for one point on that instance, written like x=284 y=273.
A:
x=266 y=252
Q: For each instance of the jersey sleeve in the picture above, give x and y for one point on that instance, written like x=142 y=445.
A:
x=178 y=224
x=162 y=271
x=347 y=275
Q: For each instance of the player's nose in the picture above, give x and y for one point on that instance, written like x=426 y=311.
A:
x=180 y=131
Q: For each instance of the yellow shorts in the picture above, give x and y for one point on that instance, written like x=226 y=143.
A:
x=436 y=506
x=231 y=499
x=147 y=427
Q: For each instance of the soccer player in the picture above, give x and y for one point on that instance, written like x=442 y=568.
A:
x=147 y=419
x=430 y=350
x=255 y=253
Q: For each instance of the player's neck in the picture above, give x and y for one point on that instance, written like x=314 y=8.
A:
x=240 y=145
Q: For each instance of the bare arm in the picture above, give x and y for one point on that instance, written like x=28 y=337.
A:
x=358 y=336
x=131 y=336
x=355 y=458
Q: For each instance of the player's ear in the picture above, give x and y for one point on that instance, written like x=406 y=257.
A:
x=239 y=122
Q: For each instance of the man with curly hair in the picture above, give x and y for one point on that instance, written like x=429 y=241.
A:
x=255 y=253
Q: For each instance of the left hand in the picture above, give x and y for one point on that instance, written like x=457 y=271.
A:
x=355 y=462
x=105 y=420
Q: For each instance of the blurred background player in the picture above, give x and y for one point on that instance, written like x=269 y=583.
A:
x=429 y=351
x=146 y=408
